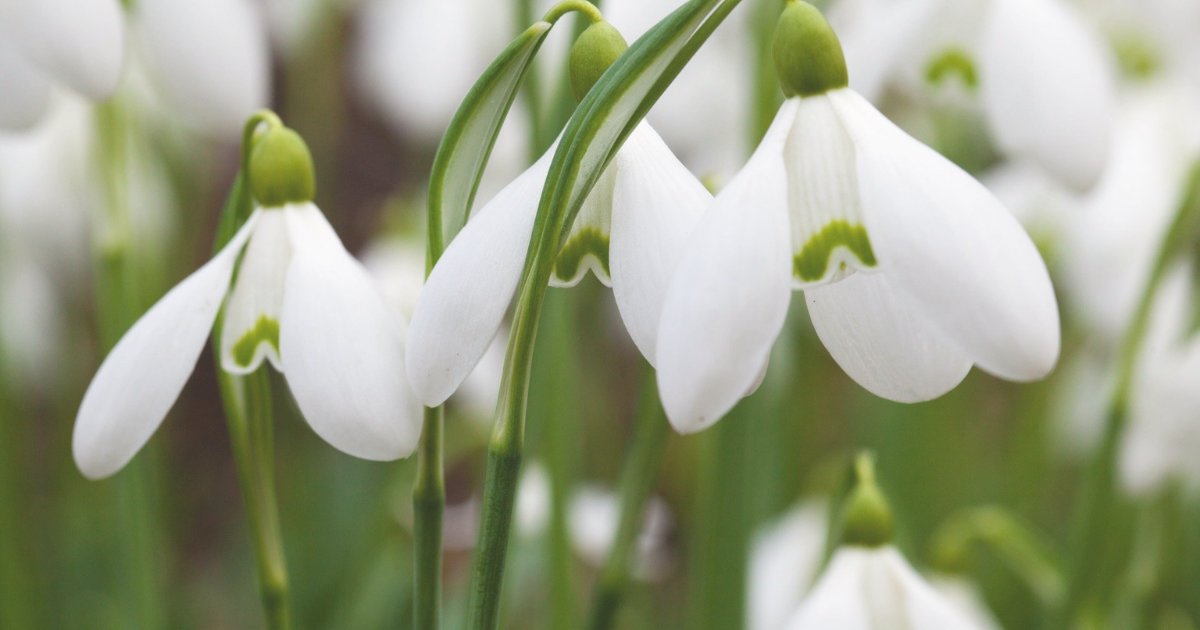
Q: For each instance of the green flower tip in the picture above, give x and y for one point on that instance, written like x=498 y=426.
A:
x=868 y=520
x=281 y=168
x=595 y=50
x=808 y=55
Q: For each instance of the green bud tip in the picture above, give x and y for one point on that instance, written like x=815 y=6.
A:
x=281 y=168
x=808 y=55
x=868 y=519
x=595 y=50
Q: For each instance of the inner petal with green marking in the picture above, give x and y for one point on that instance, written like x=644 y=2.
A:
x=949 y=63
x=265 y=331
x=587 y=245
x=829 y=236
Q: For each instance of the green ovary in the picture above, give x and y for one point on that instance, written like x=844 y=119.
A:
x=264 y=330
x=952 y=62
x=812 y=262
x=587 y=241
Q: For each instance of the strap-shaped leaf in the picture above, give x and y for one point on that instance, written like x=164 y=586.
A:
x=464 y=151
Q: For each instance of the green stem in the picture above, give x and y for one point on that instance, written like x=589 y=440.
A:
x=249 y=416
x=1099 y=493
x=429 y=502
x=637 y=481
x=16 y=573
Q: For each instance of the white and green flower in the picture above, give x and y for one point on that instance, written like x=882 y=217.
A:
x=301 y=302
x=913 y=271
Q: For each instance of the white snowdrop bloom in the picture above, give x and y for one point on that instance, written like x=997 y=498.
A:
x=1163 y=433
x=532 y=511
x=209 y=58
x=873 y=589
x=628 y=233
x=32 y=324
x=75 y=43
x=300 y=301
x=1044 y=74
x=1110 y=244
x=595 y=515
x=963 y=595
x=785 y=557
x=912 y=270
x=397 y=39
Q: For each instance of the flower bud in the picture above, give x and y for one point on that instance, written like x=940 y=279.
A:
x=808 y=55
x=868 y=520
x=281 y=168
x=595 y=50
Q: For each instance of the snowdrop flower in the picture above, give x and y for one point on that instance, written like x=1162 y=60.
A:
x=628 y=233
x=868 y=583
x=1110 y=246
x=76 y=43
x=1044 y=76
x=912 y=270
x=595 y=515
x=300 y=301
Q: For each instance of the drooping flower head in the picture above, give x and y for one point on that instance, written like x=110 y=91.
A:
x=628 y=233
x=913 y=271
x=299 y=301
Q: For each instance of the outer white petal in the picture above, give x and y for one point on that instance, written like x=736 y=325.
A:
x=784 y=561
x=140 y=379
x=252 y=312
x=342 y=347
x=466 y=296
x=953 y=249
x=210 y=57
x=656 y=204
x=926 y=608
x=1047 y=87
x=729 y=297
x=838 y=600
x=882 y=342
x=26 y=89
x=79 y=42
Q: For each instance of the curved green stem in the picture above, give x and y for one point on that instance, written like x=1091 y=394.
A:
x=1099 y=491
x=588 y=10
x=637 y=482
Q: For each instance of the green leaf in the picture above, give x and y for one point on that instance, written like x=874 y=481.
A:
x=464 y=151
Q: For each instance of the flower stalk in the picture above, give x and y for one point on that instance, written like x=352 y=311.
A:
x=637 y=482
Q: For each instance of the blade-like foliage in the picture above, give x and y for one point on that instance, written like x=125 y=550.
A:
x=467 y=145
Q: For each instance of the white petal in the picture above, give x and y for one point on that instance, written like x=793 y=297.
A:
x=26 y=89
x=729 y=297
x=838 y=600
x=960 y=256
x=1047 y=87
x=926 y=608
x=342 y=347
x=466 y=296
x=829 y=238
x=881 y=342
x=210 y=57
x=656 y=204
x=79 y=42
x=250 y=331
x=140 y=379
x=587 y=245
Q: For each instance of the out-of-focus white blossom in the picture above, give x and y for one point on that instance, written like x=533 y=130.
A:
x=1044 y=74
x=595 y=514
x=785 y=556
